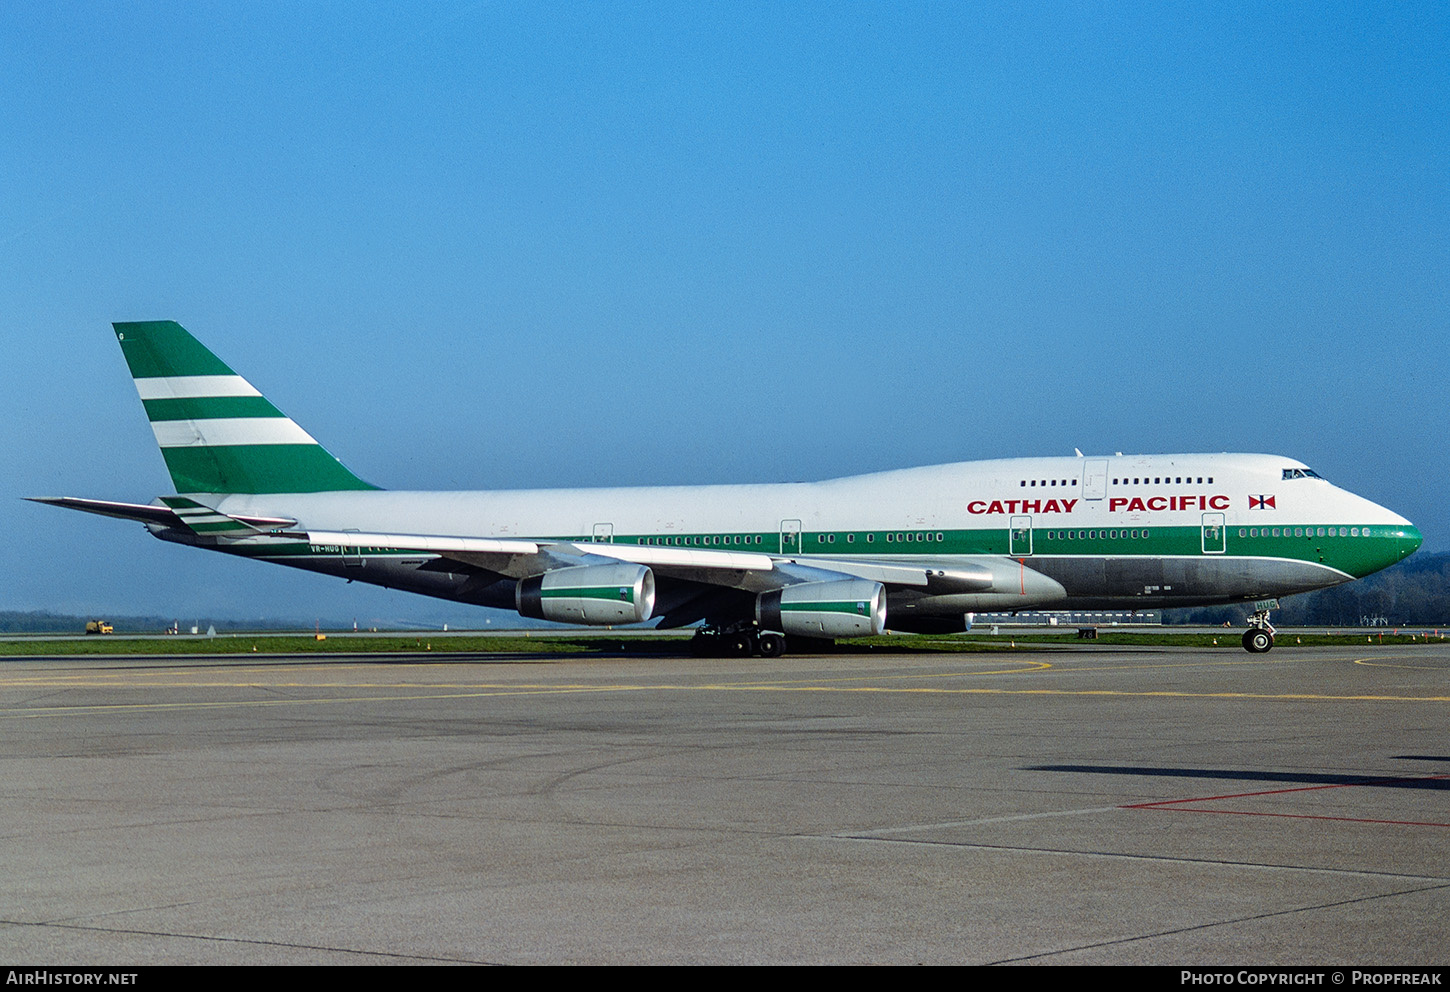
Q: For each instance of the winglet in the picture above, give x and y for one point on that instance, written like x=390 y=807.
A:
x=217 y=433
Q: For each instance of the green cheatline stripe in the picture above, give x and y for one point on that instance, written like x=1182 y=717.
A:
x=164 y=348
x=854 y=608
x=259 y=468
x=210 y=408
x=1357 y=556
x=619 y=594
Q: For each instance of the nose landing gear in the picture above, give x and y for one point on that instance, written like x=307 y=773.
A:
x=1259 y=638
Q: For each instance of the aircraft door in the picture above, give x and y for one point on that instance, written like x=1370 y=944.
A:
x=1095 y=478
x=790 y=537
x=604 y=533
x=352 y=556
x=1215 y=536
x=1019 y=538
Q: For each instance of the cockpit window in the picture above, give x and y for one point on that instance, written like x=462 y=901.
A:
x=1301 y=473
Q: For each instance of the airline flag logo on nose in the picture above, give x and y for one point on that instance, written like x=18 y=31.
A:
x=1261 y=502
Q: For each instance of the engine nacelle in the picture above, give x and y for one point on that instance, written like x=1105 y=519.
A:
x=845 y=608
x=598 y=594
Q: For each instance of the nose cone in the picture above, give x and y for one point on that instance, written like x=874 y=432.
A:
x=1391 y=538
x=1409 y=540
x=1389 y=546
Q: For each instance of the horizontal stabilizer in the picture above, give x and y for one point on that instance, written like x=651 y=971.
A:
x=143 y=512
x=167 y=516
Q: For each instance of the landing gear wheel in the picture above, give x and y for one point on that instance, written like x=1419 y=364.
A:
x=738 y=646
x=771 y=645
x=1257 y=641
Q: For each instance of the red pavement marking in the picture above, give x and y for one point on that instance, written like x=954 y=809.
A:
x=1178 y=806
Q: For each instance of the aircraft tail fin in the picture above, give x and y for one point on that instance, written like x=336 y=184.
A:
x=217 y=433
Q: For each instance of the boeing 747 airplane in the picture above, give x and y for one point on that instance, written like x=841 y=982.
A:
x=917 y=549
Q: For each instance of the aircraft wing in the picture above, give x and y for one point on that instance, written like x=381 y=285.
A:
x=745 y=570
x=521 y=559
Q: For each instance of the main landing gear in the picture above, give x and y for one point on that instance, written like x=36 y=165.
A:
x=1260 y=635
x=736 y=641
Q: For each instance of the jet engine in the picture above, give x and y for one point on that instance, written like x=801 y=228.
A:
x=598 y=594
x=843 y=608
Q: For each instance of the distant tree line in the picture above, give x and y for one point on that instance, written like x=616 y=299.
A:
x=1416 y=592
x=45 y=622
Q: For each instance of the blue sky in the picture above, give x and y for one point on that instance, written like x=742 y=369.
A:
x=479 y=246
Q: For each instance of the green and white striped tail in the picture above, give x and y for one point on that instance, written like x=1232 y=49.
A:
x=216 y=432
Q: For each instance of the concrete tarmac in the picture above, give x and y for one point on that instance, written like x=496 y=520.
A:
x=1080 y=806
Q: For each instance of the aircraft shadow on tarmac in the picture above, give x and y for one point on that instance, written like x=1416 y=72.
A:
x=1244 y=775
